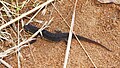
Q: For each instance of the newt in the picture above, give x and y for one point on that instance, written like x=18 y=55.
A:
x=56 y=37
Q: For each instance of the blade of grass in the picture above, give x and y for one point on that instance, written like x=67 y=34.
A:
x=8 y=4
x=8 y=51
x=18 y=36
x=70 y=37
x=76 y=36
x=34 y=15
x=5 y=63
x=25 y=14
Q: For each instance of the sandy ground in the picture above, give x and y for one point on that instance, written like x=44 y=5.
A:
x=100 y=22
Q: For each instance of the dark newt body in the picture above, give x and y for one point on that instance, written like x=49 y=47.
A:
x=58 y=36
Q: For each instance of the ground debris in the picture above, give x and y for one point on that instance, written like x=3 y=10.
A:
x=110 y=1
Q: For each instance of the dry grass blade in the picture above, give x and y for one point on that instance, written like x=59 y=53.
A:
x=86 y=52
x=25 y=14
x=35 y=20
x=8 y=4
x=24 y=3
x=10 y=50
x=70 y=37
x=5 y=36
x=75 y=35
x=5 y=63
x=34 y=15
x=45 y=25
